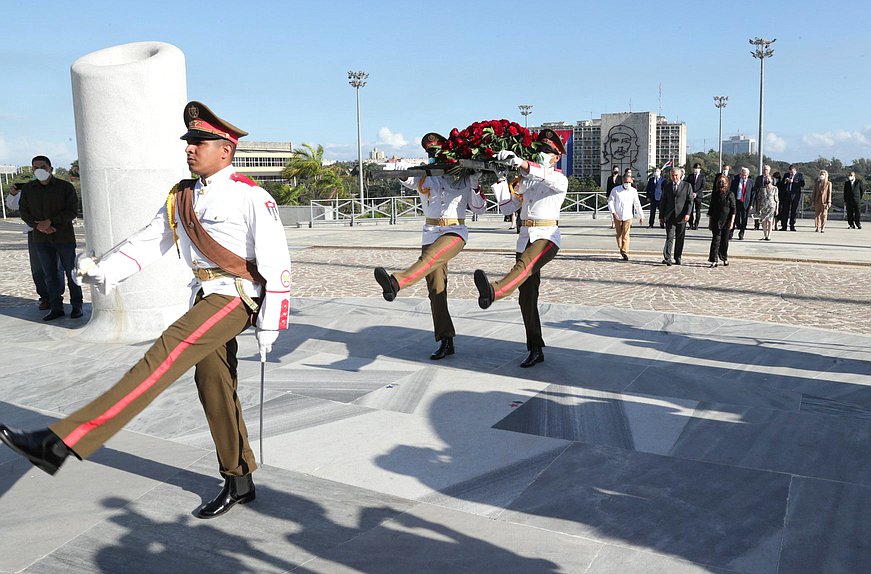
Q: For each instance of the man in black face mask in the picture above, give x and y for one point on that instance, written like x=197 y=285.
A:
x=49 y=205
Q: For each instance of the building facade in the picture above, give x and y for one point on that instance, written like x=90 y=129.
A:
x=739 y=144
x=630 y=140
x=263 y=161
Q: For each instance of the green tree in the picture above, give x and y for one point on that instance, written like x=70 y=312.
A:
x=313 y=180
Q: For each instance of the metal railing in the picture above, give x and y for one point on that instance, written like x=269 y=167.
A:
x=396 y=209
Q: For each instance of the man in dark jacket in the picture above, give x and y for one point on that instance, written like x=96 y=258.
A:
x=793 y=181
x=697 y=180
x=741 y=188
x=49 y=205
x=853 y=192
x=674 y=212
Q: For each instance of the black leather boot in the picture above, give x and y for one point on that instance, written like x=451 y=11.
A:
x=536 y=355
x=389 y=285
x=43 y=448
x=237 y=490
x=445 y=348
x=486 y=296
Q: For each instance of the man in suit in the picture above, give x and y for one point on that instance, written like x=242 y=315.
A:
x=674 y=212
x=653 y=189
x=697 y=180
x=760 y=183
x=614 y=180
x=742 y=190
x=853 y=192
x=793 y=181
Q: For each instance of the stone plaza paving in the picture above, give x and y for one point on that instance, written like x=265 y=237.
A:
x=686 y=419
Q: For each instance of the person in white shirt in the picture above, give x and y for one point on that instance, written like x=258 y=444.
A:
x=242 y=220
x=444 y=200
x=539 y=192
x=623 y=203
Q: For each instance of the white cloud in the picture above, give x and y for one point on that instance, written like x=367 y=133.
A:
x=774 y=143
x=841 y=137
x=388 y=138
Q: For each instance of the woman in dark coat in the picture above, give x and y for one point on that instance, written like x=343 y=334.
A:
x=722 y=220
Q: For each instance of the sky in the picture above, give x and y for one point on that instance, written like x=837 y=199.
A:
x=278 y=69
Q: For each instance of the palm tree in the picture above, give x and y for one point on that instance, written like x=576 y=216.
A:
x=315 y=180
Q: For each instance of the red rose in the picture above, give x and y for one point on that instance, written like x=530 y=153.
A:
x=498 y=129
x=513 y=130
x=488 y=152
x=455 y=132
x=527 y=140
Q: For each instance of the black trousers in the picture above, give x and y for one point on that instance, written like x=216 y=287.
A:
x=741 y=217
x=697 y=211
x=719 y=244
x=853 y=216
x=789 y=211
x=653 y=205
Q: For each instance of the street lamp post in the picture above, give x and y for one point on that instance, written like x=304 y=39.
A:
x=761 y=52
x=358 y=80
x=720 y=102
x=525 y=110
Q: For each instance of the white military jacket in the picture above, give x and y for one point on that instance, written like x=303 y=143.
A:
x=239 y=215
x=445 y=197
x=539 y=195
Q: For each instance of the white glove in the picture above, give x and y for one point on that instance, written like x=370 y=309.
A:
x=88 y=271
x=265 y=339
x=509 y=157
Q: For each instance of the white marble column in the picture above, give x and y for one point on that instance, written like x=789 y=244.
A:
x=128 y=103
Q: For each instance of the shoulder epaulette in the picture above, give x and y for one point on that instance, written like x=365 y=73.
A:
x=243 y=179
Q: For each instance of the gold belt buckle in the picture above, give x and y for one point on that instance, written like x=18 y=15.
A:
x=203 y=274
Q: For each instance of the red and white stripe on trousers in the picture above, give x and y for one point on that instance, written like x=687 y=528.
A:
x=429 y=263
x=83 y=429
x=525 y=274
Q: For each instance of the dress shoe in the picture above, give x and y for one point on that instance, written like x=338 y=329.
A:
x=44 y=305
x=677 y=260
x=858 y=226
x=53 y=315
x=725 y=263
x=43 y=448
x=446 y=347
x=667 y=262
x=712 y=264
x=792 y=228
x=486 y=295
x=740 y=236
x=852 y=227
x=76 y=314
x=536 y=355
x=624 y=255
x=237 y=490
x=389 y=284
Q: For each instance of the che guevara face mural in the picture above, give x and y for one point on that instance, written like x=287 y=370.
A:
x=620 y=147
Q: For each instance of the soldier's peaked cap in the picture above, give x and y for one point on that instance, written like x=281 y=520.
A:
x=432 y=139
x=202 y=123
x=550 y=137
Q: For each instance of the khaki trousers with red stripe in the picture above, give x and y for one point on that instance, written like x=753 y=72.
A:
x=433 y=264
x=204 y=337
x=526 y=276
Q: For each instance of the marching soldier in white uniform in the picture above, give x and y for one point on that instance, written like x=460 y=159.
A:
x=227 y=230
x=539 y=192
x=444 y=200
